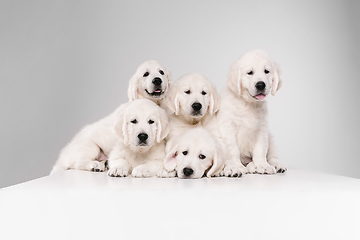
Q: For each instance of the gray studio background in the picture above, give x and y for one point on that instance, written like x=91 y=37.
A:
x=65 y=64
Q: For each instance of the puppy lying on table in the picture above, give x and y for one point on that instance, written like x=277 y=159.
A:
x=132 y=136
x=90 y=148
x=194 y=154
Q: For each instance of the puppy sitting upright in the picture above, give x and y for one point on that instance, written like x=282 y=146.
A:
x=242 y=115
x=194 y=101
x=151 y=81
x=140 y=150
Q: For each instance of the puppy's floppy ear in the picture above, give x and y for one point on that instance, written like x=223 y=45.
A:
x=234 y=78
x=163 y=127
x=171 y=154
x=168 y=76
x=276 y=81
x=218 y=162
x=214 y=100
x=120 y=127
x=172 y=100
x=133 y=87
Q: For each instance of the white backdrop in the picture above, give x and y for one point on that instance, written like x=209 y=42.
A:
x=65 y=64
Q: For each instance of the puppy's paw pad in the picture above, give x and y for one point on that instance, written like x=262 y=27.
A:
x=233 y=171
x=118 y=172
x=281 y=169
x=165 y=174
x=96 y=166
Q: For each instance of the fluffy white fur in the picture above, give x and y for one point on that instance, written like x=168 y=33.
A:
x=142 y=83
x=133 y=154
x=243 y=112
x=90 y=148
x=194 y=153
x=183 y=93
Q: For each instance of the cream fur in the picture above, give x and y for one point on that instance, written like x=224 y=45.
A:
x=141 y=86
x=243 y=117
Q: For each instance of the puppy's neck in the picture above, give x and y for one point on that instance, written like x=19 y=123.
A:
x=158 y=101
x=193 y=121
x=254 y=105
x=139 y=150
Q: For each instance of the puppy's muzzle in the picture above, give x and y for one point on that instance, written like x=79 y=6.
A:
x=142 y=137
x=157 y=89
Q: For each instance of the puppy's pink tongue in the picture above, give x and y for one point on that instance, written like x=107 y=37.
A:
x=260 y=96
x=157 y=91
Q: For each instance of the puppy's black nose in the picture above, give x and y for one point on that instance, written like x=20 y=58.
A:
x=188 y=171
x=260 y=85
x=196 y=106
x=157 y=81
x=142 y=137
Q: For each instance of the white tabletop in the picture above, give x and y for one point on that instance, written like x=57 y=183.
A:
x=85 y=205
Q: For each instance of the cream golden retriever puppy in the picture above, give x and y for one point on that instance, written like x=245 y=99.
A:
x=194 y=154
x=90 y=148
x=194 y=101
x=141 y=127
x=151 y=81
x=243 y=112
x=95 y=141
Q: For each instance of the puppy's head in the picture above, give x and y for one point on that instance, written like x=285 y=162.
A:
x=151 y=81
x=253 y=76
x=141 y=123
x=193 y=95
x=194 y=154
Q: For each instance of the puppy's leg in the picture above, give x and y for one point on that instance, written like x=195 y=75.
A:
x=233 y=166
x=259 y=163
x=118 y=168
x=85 y=158
x=272 y=156
x=148 y=169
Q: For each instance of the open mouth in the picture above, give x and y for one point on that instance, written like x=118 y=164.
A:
x=157 y=92
x=259 y=96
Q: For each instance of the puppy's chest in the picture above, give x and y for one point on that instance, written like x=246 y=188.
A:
x=155 y=153
x=246 y=120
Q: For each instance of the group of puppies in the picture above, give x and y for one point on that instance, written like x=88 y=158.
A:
x=185 y=128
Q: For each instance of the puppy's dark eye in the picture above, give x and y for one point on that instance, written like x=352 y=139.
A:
x=185 y=152
x=146 y=74
x=161 y=72
x=266 y=71
x=187 y=92
x=250 y=73
x=202 y=156
x=151 y=121
x=203 y=93
x=134 y=121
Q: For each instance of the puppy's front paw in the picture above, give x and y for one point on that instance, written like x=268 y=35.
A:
x=280 y=168
x=263 y=168
x=165 y=174
x=142 y=171
x=233 y=171
x=118 y=172
x=96 y=166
